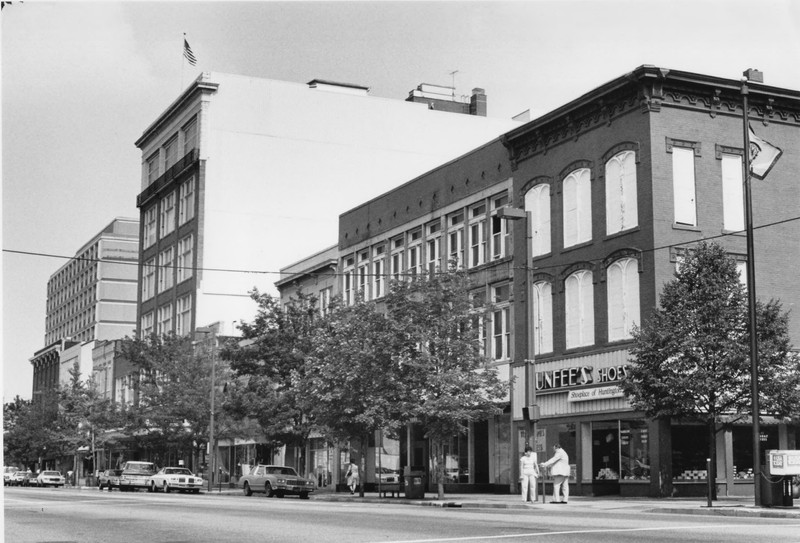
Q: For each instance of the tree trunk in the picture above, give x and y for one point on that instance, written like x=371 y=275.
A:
x=363 y=474
x=440 y=471
x=712 y=454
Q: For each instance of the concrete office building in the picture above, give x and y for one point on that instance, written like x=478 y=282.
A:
x=91 y=297
x=570 y=225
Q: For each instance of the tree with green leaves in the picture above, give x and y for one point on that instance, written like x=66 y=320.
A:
x=85 y=415
x=354 y=384
x=692 y=357
x=172 y=413
x=438 y=343
x=26 y=433
x=269 y=363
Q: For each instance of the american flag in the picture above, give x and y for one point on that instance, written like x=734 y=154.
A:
x=188 y=54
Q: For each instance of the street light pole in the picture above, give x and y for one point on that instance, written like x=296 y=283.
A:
x=212 y=446
x=756 y=76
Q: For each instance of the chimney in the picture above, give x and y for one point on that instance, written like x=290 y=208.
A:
x=477 y=102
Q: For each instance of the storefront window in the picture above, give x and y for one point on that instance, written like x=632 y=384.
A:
x=743 y=448
x=605 y=451
x=456 y=460
x=502 y=451
x=387 y=460
x=634 y=442
x=689 y=452
x=564 y=435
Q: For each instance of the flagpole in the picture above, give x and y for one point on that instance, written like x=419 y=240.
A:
x=751 y=287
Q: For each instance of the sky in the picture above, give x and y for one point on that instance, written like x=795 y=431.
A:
x=81 y=82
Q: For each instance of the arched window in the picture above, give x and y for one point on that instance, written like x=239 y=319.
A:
x=579 y=292
x=537 y=203
x=577 y=207
x=623 y=298
x=621 y=201
x=542 y=294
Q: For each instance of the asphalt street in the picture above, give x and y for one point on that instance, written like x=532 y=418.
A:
x=88 y=515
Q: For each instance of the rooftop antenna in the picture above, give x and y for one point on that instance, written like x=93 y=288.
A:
x=453 y=78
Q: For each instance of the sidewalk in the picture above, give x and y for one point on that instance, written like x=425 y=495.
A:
x=724 y=506
x=735 y=506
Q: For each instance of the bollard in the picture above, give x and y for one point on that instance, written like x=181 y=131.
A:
x=709 y=480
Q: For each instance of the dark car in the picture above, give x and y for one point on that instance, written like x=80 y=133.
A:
x=109 y=479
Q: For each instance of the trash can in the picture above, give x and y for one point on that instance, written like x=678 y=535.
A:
x=771 y=492
x=414 y=482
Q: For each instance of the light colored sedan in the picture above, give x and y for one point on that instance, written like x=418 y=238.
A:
x=50 y=478
x=275 y=481
x=182 y=479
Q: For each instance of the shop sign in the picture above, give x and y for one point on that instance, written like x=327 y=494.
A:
x=579 y=376
x=598 y=393
x=783 y=462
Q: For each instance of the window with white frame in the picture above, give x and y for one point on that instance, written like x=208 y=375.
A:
x=455 y=240
x=378 y=279
x=183 y=324
x=414 y=252
x=152 y=168
x=683 y=186
x=621 y=200
x=577 y=194
x=146 y=326
x=325 y=296
x=185 y=258
x=732 y=193
x=189 y=136
x=501 y=328
x=164 y=320
x=171 y=152
x=477 y=236
x=186 y=203
x=499 y=232
x=149 y=279
x=167 y=214
x=150 y=218
x=348 y=282
x=397 y=259
x=432 y=254
x=166 y=261
x=537 y=203
x=363 y=275
x=579 y=300
x=741 y=268
x=542 y=294
x=622 y=280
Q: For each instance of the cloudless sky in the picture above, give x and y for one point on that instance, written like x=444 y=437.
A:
x=81 y=82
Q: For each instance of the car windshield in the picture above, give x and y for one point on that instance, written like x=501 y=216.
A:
x=51 y=473
x=177 y=471
x=281 y=471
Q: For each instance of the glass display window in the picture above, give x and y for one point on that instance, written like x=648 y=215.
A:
x=634 y=441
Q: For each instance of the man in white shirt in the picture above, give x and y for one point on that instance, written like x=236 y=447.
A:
x=560 y=471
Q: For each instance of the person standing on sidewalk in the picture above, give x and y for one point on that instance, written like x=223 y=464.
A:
x=560 y=472
x=353 y=477
x=528 y=473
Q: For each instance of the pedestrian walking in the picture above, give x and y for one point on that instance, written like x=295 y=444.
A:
x=528 y=473
x=560 y=471
x=353 y=477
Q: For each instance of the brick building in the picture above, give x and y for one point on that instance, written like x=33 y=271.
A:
x=570 y=225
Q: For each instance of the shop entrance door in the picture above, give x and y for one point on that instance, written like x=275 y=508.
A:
x=605 y=458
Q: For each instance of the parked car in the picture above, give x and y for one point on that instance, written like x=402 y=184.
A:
x=50 y=478
x=18 y=477
x=182 y=479
x=31 y=479
x=109 y=479
x=8 y=471
x=275 y=481
x=136 y=475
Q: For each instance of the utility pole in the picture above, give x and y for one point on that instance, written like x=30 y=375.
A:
x=212 y=446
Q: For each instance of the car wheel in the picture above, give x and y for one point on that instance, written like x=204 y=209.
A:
x=304 y=495
x=247 y=490
x=166 y=487
x=268 y=490
x=153 y=487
